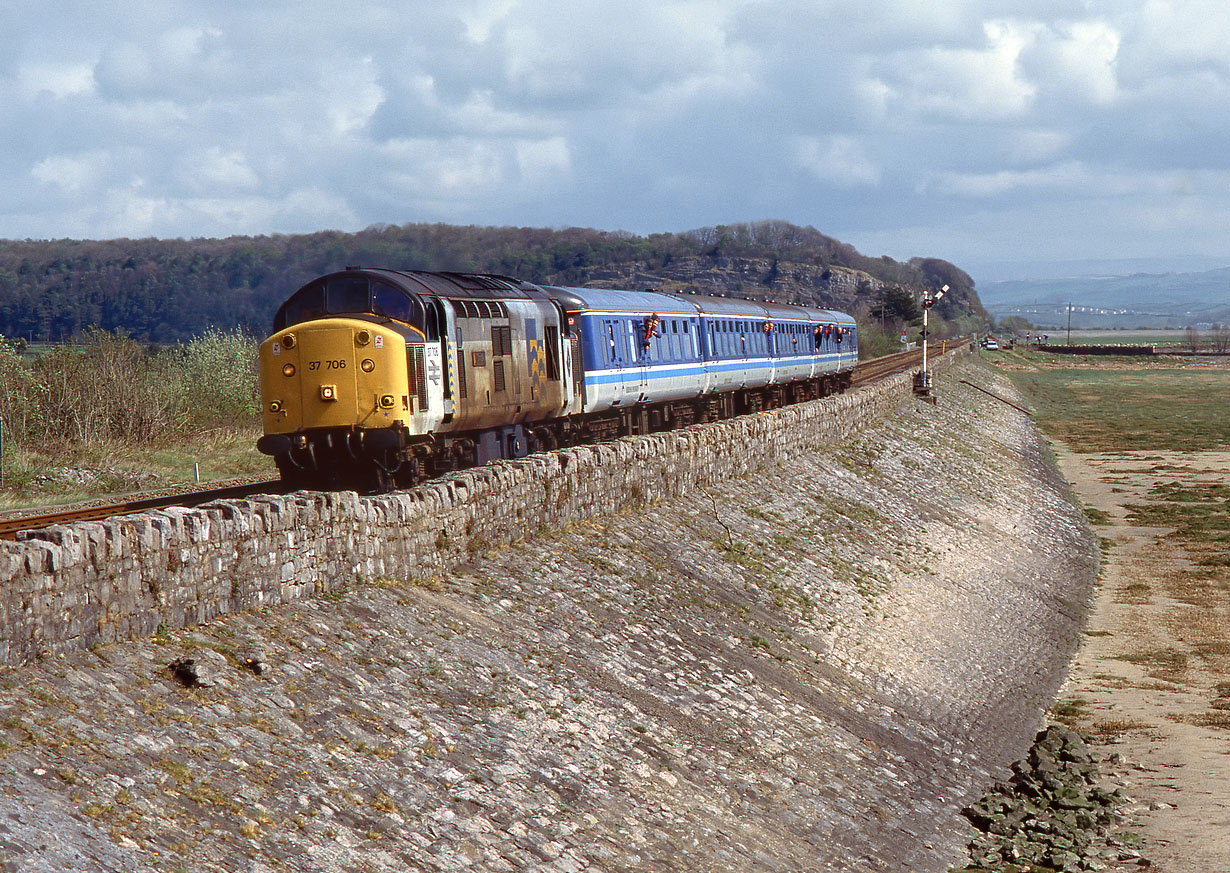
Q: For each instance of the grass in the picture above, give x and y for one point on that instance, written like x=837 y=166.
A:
x=1102 y=408
x=80 y=472
x=1199 y=515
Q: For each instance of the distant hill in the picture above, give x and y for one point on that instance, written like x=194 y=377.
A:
x=170 y=290
x=1140 y=300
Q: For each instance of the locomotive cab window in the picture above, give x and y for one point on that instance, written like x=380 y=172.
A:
x=350 y=295
x=392 y=303
x=304 y=306
x=347 y=294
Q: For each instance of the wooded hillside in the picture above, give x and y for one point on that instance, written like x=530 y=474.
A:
x=171 y=290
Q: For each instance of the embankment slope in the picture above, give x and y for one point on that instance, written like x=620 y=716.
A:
x=812 y=667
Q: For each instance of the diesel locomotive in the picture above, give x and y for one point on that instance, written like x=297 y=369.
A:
x=374 y=379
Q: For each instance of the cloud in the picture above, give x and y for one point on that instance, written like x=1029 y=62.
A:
x=965 y=84
x=55 y=79
x=72 y=174
x=862 y=118
x=837 y=160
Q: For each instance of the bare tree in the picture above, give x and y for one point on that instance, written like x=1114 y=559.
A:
x=1191 y=336
x=1221 y=336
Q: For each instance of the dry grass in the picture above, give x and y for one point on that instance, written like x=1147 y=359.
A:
x=87 y=471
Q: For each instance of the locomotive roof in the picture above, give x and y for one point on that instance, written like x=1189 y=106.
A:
x=449 y=284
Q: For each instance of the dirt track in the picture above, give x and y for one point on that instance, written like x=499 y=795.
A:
x=1152 y=679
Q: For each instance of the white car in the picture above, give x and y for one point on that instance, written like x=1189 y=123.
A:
x=990 y=345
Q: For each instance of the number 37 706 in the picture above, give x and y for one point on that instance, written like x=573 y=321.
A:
x=326 y=365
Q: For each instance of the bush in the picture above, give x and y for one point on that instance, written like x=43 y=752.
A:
x=220 y=378
x=109 y=388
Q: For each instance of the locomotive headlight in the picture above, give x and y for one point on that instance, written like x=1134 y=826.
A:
x=387 y=401
x=288 y=370
x=275 y=406
x=288 y=341
x=362 y=337
x=368 y=365
x=328 y=392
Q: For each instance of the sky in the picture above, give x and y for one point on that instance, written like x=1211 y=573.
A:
x=991 y=134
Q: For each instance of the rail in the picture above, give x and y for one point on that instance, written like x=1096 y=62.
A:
x=878 y=368
x=11 y=524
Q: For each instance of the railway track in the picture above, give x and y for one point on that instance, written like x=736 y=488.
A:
x=13 y=522
x=878 y=368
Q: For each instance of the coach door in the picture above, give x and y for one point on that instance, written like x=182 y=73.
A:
x=638 y=384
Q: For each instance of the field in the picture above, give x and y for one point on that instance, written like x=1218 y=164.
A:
x=1146 y=446
x=110 y=416
x=46 y=477
x=1120 y=337
x=1096 y=405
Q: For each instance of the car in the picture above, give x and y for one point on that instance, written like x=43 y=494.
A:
x=990 y=345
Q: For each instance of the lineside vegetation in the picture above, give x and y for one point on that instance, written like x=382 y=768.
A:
x=123 y=410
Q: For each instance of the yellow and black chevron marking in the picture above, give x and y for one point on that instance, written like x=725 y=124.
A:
x=538 y=364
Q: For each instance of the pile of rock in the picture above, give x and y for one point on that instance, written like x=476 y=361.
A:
x=1053 y=814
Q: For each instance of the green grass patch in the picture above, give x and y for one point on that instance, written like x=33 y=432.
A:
x=82 y=471
x=1097 y=516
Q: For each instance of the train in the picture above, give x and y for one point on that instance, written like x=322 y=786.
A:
x=375 y=379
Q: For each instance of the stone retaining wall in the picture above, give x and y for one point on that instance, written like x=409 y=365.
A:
x=69 y=587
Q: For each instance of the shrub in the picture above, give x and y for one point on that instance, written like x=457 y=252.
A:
x=220 y=378
x=110 y=388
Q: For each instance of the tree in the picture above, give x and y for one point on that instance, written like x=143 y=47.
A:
x=1221 y=336
x=1191 y=337
x=1015 y=325
x=899 y=304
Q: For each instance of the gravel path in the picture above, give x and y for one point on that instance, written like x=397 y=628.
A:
x=812 y=669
